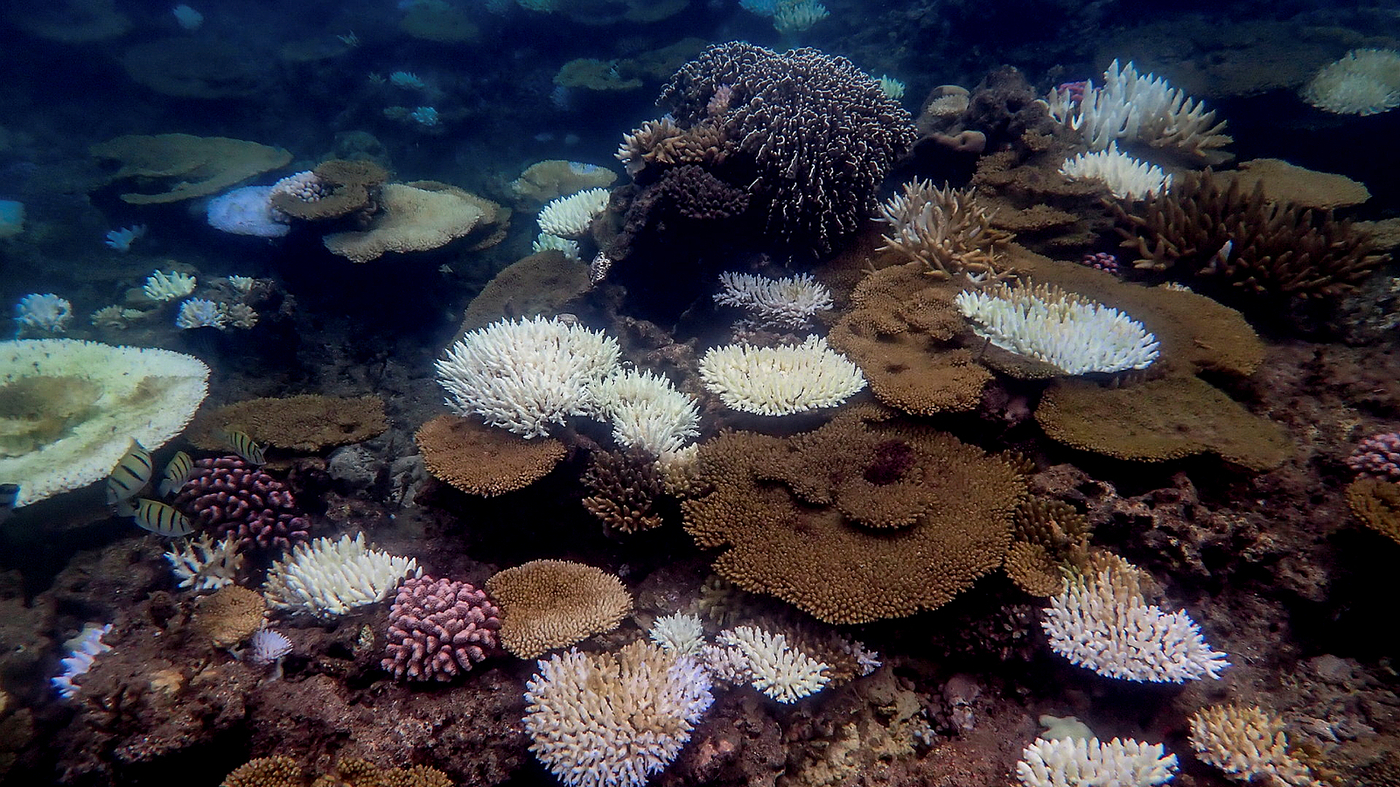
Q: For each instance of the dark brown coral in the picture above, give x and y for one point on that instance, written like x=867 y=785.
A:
x=623 y=490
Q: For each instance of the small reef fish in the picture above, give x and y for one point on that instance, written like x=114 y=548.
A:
x=176 y=474
x=9 y=493
x=161 y=519
x=130 y=475
x=244 y=446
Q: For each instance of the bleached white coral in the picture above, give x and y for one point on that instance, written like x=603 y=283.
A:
x=1072 y=333
x=201 y=563
x=780 y=380
x=1125 y=176
x=267 y=646
x=1102 y=621
x=614 y=719
x=681 y=634
x=798 y=16
x=569 y=216
x=773 y=666
x=1079 y=762
x=327 y=578
x=525 y=375
x=1248 y=744
x=547 y=242
x=647 y=412
x=199 y=313
x=83 y=652
x=891 y=87
x=162 y=286
x=1136 y=107
x=789 y=302
x=1364 y=82
x=43 y=311
x=242 y=284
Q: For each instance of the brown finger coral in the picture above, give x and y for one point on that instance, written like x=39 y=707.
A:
x=547 y=604
x=480 y=460
x=778 y=538
x=624 y=488
x=1049 y=537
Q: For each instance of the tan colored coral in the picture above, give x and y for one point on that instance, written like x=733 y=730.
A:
x=624 y=489
x=1050 y=536
x=1285 y=182
x=1249 y=745
x=540 y=284
x=190 y=166
x=276 y=771
x=946 y=229
x=490 y=229
x=352 y=188
x=229 y=615
x=309 y=422
x=545 y=180
x=410 y=220
x=547 y=604
x=1377 y=504
x=363 y=773
x=1160 y=420
x=774 y=540
x=480 y=460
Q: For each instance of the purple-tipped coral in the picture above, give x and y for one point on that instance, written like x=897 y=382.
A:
x=227 y=495
x=1103 y=261
x=439 y=628
x=1378 y=456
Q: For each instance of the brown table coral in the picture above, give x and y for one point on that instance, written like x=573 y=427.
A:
x=191 y=166
x=309 y=422
x=482 y=460
x=547 y=604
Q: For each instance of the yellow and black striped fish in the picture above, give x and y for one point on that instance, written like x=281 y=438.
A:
x=244 y=446
x=161 y=519
x=176 y=473
x=130 y=475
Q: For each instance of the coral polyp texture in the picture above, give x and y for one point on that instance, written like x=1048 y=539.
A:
x=1249 y=745
x=1102 y=621
x=1078 y=762
x=438 y=629
x=780 y=380
x=812 y=133
x=787 y=303
x=229 y=497
x=614 y=719
x=526 y=375
x=946 y=229
x=327 y=578
x=1378 y=456
x=1363 y=82
x=1067 y=331
x=547 y=604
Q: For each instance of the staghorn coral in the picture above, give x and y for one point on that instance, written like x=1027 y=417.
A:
x=480 y=460
x=813 y=134
x=228 y=496
x=309 y=422
x=229 y=615
x=789 y=303
x=1242 y=240
x=623 y=489
x=547 y=604
x=946 y=229
x=1377 y=504
x=1249 y=745
x=438 y=629
x=783 y=541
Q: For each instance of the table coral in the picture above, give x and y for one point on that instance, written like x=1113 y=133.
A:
x=481 y=460
x=547 y=604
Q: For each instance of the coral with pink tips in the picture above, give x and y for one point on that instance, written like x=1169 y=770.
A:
x=227 y=495
x=1378 y=456
x=439 y=628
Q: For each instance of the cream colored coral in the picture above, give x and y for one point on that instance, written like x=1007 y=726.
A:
x=1077 y=762
x=770 y=664
x=162 y=286
x=411 y=219
x=569 y=217
x=944 y=228
x=547 y=604
x=780 y=380
x=328 y=578
x=1364 y=82
x=1248 y=744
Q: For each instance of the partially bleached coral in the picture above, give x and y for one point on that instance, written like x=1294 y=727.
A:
x=1364 y=82
x=526 y=375
x=569 y=217
x=1069 y=332
x=787 y=303
x=162 y=286
x=944 y=228
x=1249 y=745
x=44 y=312
x=780 y=380
x=1079 y=762
x=547 y=242
x=770 y=664
x=201 y=563
x=1123 y=175
x=1102 y=621
x=327 y=578
x=647 y=412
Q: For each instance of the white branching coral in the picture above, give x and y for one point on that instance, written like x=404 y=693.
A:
x=1134 y=107
x=44 y=312
x=162 y=286
x=1079 y=762
x=614 y=719
x=780 y=380
x=327 y=578
x=1249 y=745
x=83 y=651
x=789 y=303
x=546 y=242
x=200 y=313
x=1125 y=176
x=204 y=564
x=525 y=375
x=1067 y=331
x=767 y=662
x=1364 y=82
x=680 y=634
x=1102 y=621
x=647 y=412
x=569 y=217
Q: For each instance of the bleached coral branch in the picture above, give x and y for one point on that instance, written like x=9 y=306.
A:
x=328 y=578
x=1080 y=762
x=772 y=666
x=570 y=216
x=789 y=302
x=647 y=412
x=1134 y=107
x=1125 y=176
x=780 y=380
x=204 y=564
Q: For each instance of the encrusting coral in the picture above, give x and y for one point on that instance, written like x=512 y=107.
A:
x=481 y=460
x=229 y=615
x=547 y=604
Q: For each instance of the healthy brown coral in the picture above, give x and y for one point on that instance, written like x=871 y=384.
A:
x=624 y=488
x=350 y=187
x=1377 y=504
x=547 y=604
x=282 y=771
x=410 y=220
x=309 y=422
x=1050 y=536
x=774 y=540
x=229 y=615
x=480 y=460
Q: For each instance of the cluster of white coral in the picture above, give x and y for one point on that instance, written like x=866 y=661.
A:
x=1102 y=621
x=201 y=563
x=788 y=303
x=547 y=242
x=614 y=719
x=798 y=16
x=199 y=313
x=162 y=286
x=327 y=578
x=569 y=217
x=769 y=663
x=1078 y=762
x=525 y=375
x=1125 y=176
x=681 y=634
x=647 y=412
x=83 y=651
x=780 y=380
x=1072 y=333
x=1135 y=107
x=1364 y=82
x=43 y=311
x=1248 y=744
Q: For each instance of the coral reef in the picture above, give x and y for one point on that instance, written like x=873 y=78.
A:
x=230 y=497
x=548 y=604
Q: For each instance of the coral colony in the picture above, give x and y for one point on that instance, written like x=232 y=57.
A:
x=476 y=465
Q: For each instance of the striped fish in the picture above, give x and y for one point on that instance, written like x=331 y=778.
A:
x=130 y=475
x=161 y=519
x=176 y=473
x=244 y=446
